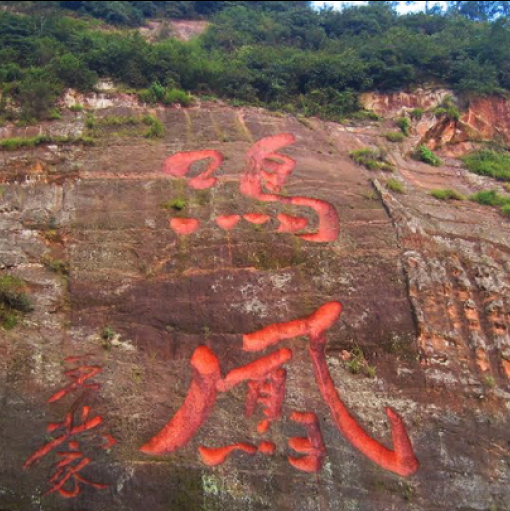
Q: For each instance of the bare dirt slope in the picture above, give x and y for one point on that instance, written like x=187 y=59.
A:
x=137 y=268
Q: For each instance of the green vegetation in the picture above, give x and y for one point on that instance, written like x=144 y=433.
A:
x=489 y=162
x=107 y=336
x=54 y=114
x=77 y=108
x=491 y=198
x=13 y=301
x=424 y=154
x=175 y=204
x=56 y=265
x=286 y=56
x=404 y=124
x=447 y=194
x=417 y=114
x=96 y=124
x=395 y=185
x=156 y=93
x=53 y=236
x=395 y=136
x=358 y=364
x=490 y=381
x=116 y=121
x=372 y=159
x=12 y=144
x=448 y=108
x=156 y=128
x=108 y=333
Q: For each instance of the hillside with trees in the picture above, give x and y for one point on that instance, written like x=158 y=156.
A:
x=282 y=55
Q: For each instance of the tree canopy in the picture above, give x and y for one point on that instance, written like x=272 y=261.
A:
x=283 y=55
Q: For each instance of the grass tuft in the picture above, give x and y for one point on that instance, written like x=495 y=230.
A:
x=395 y=137
x=372 y=159
x=395 y=186
x=424 y=154
x=405 y=125
x=447 y=194
x=488 y=162
x=490 y=198
x=13 y=144
x=13 y=301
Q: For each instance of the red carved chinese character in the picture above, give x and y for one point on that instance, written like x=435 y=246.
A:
x=313 y=446
x=79 y=376
x=70 y=431
x=205 y=385
x=68 y=475
x=401 y=460
x=217 y=456
x=270 y=392
x=180 y=164
x=265 y=170
x=266 y=384
x=265 y=167
x=196 y=408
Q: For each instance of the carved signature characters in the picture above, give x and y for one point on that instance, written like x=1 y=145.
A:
x=67 y=479
x=265 y=173
x=266 y=385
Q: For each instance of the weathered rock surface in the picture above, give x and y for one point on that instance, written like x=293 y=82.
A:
x=482 y=119
x=424 y=285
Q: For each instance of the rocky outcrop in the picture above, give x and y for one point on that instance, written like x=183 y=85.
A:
x=482 y=118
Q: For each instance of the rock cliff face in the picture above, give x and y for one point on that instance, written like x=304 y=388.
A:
x=482 y=118
x=188 y=350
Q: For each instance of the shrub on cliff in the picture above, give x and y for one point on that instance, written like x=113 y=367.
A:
x=491 y=198
x=448 y=109
x=372 y=159
x=424 y=154
x=447 y=194
x=404 y=124
x=395 y=136
x=488 y=162
x=13 y=301
x=395 y=186
x=156 y=128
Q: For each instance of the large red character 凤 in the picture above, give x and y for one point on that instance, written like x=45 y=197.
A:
x=266 y=384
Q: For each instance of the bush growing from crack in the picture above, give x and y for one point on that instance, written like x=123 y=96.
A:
x=13 y=301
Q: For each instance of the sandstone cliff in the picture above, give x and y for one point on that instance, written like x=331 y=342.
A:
x=143 y=256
